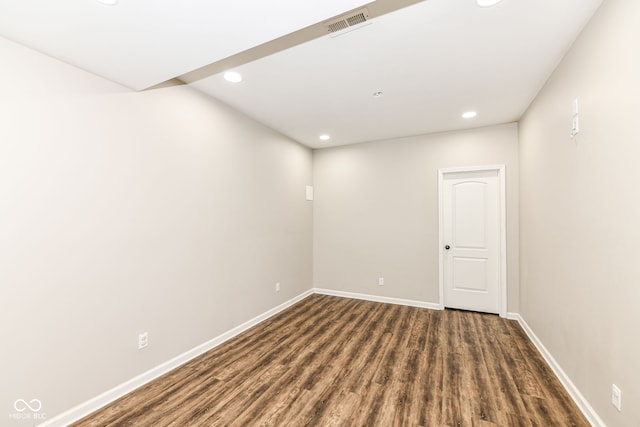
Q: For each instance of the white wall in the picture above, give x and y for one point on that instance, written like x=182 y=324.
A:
x=376 y=210
x=120 y=212
x=580 y=213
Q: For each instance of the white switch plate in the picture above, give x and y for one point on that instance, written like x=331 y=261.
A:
x=309 y=194
x=575 y=121
x=143 y=340
x=278 y=287
x=380 y=281
x=616 y=397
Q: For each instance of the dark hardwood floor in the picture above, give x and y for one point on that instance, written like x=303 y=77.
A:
x=340 y=362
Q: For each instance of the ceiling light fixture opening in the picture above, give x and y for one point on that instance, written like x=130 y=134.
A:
x=232 y=77
x=469 y=115
x=324 y=137
x=108 y=2
x=487 y=3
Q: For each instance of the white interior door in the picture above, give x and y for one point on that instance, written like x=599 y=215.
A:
x=471 y=253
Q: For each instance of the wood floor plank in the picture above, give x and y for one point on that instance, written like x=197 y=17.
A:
x=329 y=361
x=431 y=377
x=476 y=377
x=503 y=373
x=452 y=384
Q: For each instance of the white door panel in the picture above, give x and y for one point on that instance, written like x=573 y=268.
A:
x=470 y=274
x=471 y=228
x=468 y=229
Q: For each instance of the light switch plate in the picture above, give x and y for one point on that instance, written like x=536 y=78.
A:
x=616 y=397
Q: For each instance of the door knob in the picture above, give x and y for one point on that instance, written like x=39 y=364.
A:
x=447 y=247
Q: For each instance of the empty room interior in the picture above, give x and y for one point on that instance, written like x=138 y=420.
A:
x=338 y=212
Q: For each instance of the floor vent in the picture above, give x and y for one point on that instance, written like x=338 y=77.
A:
x=354 y=18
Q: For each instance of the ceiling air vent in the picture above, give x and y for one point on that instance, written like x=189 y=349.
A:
x=352 y=19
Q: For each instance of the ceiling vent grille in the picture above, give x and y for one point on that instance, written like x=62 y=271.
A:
x=354 y=18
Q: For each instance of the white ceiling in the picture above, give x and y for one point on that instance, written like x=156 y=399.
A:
x=432 y=60
x=140 y=43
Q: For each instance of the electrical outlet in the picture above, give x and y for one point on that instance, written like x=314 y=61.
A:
x=143 y=340
x=616 y=397
x=278 y=287
x=380 y=281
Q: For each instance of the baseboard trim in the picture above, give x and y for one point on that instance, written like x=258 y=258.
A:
x=513 y=316
x=588 y=411
x=90 y=406
x=376 y=298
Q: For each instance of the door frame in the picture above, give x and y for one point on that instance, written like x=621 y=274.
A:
x=502 y=211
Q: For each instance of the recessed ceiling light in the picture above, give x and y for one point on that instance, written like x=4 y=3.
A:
x=325 y=137
x=108 y=2
x=469 y=115
x=487 y=3
x=232 y=77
